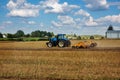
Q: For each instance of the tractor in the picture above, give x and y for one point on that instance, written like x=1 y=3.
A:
x=59 y=40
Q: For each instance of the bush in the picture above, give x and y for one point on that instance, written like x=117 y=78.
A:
x=33 y=40
x=19 y=39
x=3 y=39
x=15 y=39
x=10 y=39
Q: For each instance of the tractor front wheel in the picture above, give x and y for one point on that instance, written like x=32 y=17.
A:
x=49 y=44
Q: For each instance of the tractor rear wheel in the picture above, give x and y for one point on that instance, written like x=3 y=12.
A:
x=61 y=43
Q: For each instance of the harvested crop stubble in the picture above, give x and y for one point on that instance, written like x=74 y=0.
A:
x=47 y=65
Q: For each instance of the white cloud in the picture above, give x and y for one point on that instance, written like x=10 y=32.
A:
x=86 y=18
x=31 y=22
x=97 y=4
x=66 y=20
x=78 y=20
x=56 y=24
x=67 y=7
x=110 y=19
x=82 y=12
x=63 y=21
x=7 y=22
x=53 y=6
x=90 y=22
x=103 y=21
x=24 y=13
x=41 y=25
x=11 y=5
x=21 y=8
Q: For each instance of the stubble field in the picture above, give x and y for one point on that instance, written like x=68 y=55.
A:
x=33 y=63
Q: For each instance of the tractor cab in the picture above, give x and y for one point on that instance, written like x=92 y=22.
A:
x=61 y=36
x=59 y=40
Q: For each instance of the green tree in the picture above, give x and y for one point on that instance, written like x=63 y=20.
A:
x=1 y=36
x=75 y=35
x=10 y=35
x=78 y=37
x=39 y=33
x=19 y=34
x=50 y=34
x=91 y=37
x=35 y=33
x=43 y=33
x=27 y=35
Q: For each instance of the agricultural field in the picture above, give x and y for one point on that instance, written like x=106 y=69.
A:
x=27 y=61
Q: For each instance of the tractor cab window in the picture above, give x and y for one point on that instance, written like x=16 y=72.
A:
x=62 y=37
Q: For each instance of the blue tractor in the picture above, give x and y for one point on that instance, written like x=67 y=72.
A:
x=59 y=40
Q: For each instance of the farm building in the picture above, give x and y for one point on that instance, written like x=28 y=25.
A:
x=112 y=34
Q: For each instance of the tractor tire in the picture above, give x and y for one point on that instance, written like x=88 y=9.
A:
x=68 y=43
x=61 y=43
x=49 y=44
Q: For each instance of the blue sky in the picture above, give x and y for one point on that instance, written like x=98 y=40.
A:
x=82 y=17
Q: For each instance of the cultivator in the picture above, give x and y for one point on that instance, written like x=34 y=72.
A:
x=85 y=44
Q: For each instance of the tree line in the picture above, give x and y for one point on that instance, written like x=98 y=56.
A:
x=20 y=34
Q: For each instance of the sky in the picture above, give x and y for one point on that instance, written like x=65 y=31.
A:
x=82 y=17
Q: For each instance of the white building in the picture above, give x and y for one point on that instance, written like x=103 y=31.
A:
x=113 y=34
x=4 y=35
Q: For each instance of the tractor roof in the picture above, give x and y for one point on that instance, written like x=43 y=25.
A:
x=61 y=34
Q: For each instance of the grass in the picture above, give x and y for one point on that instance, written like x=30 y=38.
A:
x=24 y=39
x=35 y=39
